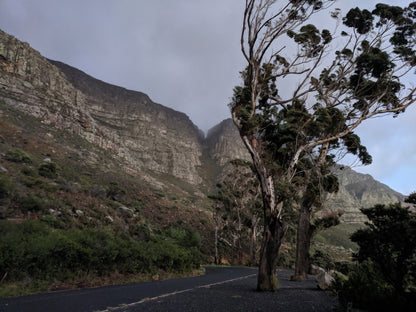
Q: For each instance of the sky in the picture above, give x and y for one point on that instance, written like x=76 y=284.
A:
x=184 y=54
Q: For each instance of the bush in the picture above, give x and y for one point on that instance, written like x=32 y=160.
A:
x=29 y=171
x=365 y=288
x=17 y=155
x=116 y=193
x=48 y=170
x=385 y=278
x=6 y=187
x=35 y=249
x=31 y=203
x=322 y=260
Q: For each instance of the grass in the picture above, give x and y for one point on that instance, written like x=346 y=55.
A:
x=338 y=236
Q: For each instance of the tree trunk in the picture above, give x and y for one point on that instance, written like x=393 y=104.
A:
x=304 y=236
x=216 y=242
x=303 y=243
x=253 y=243
x=274 y=231
x=274 y=228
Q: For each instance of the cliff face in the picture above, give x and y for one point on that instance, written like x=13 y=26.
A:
x=146 y=135
x=224 y=143
x=143 y=135
x=359 y=191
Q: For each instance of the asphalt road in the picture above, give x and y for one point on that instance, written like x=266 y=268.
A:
x=97 y=299
x=220 y=289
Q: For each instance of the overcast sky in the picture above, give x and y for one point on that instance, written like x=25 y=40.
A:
x=185 y=54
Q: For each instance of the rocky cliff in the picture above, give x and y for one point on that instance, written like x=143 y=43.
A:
x=224 y=144
x=142 y=135
x=359 y=191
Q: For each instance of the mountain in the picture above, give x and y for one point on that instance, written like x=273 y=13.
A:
x=357 y=191
x=146 y=140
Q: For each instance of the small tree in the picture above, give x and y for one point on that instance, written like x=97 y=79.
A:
x=389 y=241
x=237 y=213
x=385 y=278
x=329 y=97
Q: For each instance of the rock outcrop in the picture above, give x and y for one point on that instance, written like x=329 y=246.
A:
x=359 y=191
x=224 y=143
x=146 y=135
x=142 y=134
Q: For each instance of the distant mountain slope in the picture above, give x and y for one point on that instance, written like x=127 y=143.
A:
x=357 y=191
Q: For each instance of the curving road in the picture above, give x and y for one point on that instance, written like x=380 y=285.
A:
x=96 y=299
x=220 y=289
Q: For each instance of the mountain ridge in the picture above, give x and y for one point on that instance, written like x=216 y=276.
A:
x=144 y=136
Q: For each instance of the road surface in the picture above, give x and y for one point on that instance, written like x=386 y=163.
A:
x=220 y=289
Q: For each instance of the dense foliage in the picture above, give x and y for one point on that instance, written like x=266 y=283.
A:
x=385 y=276
x=36 y=250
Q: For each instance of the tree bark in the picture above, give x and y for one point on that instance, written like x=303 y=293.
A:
x=304 y=235
x=216 y=259
x=274 y=230
x=303 y=243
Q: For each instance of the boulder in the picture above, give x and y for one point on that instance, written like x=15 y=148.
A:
x=324 y=280
x=126 y=210
x=315 y=270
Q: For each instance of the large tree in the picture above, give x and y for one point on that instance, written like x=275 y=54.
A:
x=317 y=180
x=329 y=82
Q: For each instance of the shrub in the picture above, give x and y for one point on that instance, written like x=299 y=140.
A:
x=31 y=203
x=29 y=171
x=322 y=260
x=48 y=170
x=17 y=155
x=365 y=288
x=385 y=277
x=6 y=187
x=116 y=193
x=35 y=249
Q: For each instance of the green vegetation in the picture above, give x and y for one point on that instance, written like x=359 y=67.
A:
x=48 y=170
x=385 y=276
x=17 y=155
x=339 y=235
x=39 y=251
x=76 y=219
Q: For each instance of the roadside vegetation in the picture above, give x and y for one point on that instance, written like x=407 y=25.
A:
x=384 y=275
x=70 y=217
